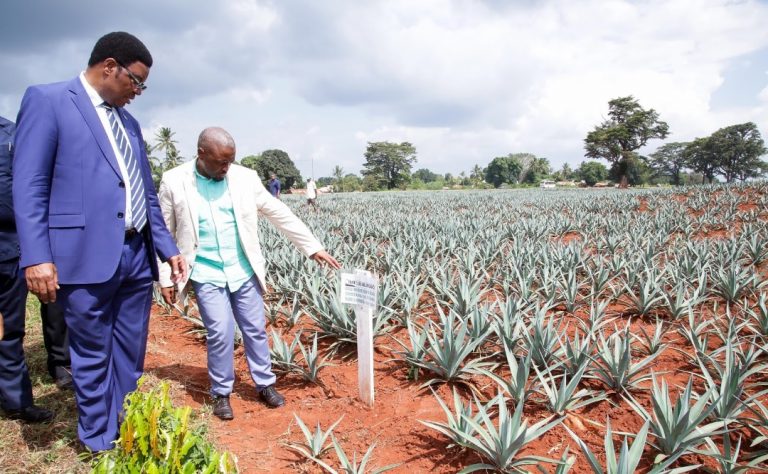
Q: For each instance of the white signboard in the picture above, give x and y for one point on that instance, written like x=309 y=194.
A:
x=359 y=288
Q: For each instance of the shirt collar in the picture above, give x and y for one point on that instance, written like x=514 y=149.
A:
x=96 y=99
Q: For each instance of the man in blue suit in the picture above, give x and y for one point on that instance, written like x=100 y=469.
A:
x=15 y=385
x=89 y=224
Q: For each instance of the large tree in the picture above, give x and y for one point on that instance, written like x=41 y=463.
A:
x=538 y=169
x=592 y=172
x=634 y=171
x=670 y=160
x=503 y=169
x=627 y=129
x=739 y=148
x=524 y=160
x=274 y=161
x=700 y=156
x=389 y=163
x=425 y=175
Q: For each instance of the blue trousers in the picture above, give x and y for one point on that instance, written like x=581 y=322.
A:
x=15 y=386
x=108 y=324
x=220 y=309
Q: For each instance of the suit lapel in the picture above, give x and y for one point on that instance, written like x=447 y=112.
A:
x=85 y=106
x=191 y=198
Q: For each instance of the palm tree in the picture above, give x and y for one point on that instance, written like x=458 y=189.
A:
x=338 y=174
x=476 y=175
x=155 y=165
x=164 y=141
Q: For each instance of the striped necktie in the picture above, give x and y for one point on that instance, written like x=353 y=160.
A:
x=138 y=201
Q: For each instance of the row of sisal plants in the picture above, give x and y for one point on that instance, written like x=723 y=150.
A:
x=553 y=299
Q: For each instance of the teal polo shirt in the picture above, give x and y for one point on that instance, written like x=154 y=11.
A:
x=220 y=258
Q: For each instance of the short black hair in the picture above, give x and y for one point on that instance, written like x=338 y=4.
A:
x=123 y=47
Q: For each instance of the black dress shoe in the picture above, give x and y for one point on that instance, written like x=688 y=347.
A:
x=30 y=414
x=64 y=382
x=222 y=408
x=271 y=397
x=62 y=377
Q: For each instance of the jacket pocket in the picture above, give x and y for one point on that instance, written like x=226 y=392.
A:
x=64 y=221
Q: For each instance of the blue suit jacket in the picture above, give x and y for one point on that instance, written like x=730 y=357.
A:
x=68 y=192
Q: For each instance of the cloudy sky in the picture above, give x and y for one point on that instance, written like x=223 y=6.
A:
x=464 y=81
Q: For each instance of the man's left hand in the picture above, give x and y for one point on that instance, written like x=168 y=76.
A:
x=322 y=257
x=178 y=268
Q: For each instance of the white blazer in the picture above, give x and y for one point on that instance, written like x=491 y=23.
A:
x=179 y=199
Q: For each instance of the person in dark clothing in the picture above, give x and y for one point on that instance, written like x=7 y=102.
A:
x=15 y=385
x=274 y=185
x=56 y=343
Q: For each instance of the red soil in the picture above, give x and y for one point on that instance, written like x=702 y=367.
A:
x=257 y=434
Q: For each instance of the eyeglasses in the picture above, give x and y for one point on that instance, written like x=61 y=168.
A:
x=136 y=82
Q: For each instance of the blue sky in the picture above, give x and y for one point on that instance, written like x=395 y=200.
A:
x=464 y=81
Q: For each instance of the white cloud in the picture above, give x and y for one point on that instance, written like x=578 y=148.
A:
x=464 y=81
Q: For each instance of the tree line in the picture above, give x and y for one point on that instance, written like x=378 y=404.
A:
x=733 y=153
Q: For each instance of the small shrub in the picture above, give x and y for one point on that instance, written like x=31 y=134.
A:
x=155 y=437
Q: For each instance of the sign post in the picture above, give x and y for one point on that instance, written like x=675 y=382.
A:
x=360 y=288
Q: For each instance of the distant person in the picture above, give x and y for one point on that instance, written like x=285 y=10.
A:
x=311 y=193
x=15 y=384
x=90 y=226
x=210 y=206
x=274 y=185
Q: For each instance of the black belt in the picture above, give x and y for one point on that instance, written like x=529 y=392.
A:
x=130 y=233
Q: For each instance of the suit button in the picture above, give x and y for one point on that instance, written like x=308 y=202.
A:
x=120 y=215
x=121 y=184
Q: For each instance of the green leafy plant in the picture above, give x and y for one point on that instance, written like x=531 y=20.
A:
x=577 y=353
x=283 y=355
x=519 y=385
x=352 y=466
x=727 y=383
x=563 y=397
x=415 y=353
x=654 y=342
x=728 y=461
x=614 y=365
x=456 y=426
x=155 y=437
x=645 y=297
x=677 y=427
x=758 y=317
x=499 y=444
x=310 y=369
x=731 y=282
x=448 y=354
x=629 y=456
x=293 y=316
x=542 y=338
x=316 y=443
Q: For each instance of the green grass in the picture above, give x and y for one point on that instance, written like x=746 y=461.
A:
x=47 y=447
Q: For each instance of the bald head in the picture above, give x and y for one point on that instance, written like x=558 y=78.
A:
x=215 y=136
x=215 y=153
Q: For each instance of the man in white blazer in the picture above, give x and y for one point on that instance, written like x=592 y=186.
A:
x=211 y=206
